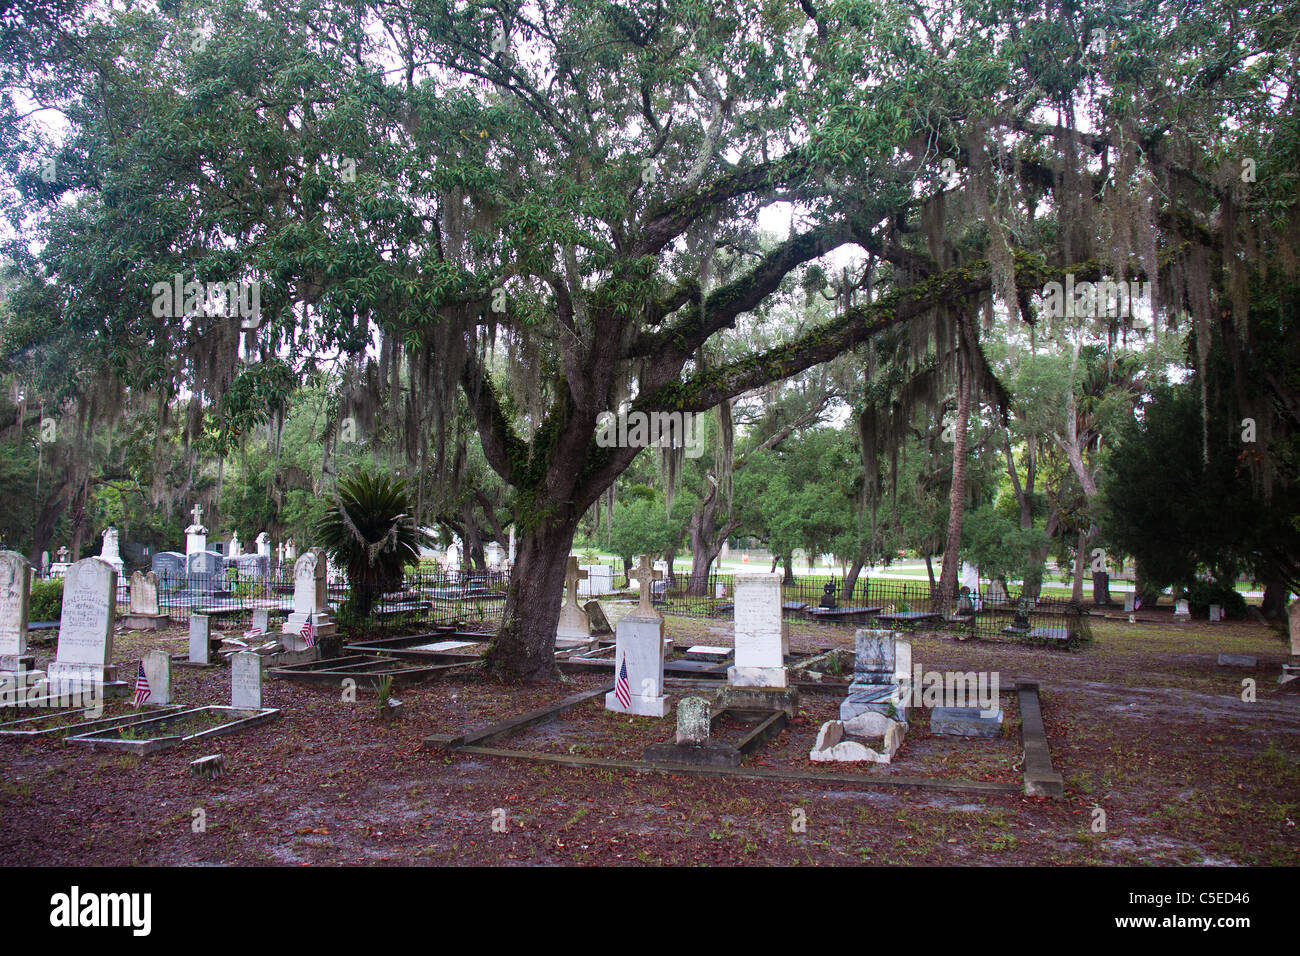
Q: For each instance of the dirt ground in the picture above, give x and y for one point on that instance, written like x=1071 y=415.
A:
x=1142 y=724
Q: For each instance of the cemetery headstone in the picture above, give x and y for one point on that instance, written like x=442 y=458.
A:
x=1216 y=613
x=261 y=622
x=573 y=628
x=236 y=546
x=599 y=580
x=997 y=593
x=200 y=639
x=828 y=596
x=1129 y=598
x=1182 y=612
x=760 y=633
x=109 y=550
x=211 y=767
x=246 y=681
x=255 y=566
x=263 y=542
x=309 y=621
x=596 y=615
x=85 y=649
x=15 y=578
x=143 y=612
x=158 y=671
x=1293 y=617
x=171 y=568
x=196 y=535
x=639 y=657
x=881 y=676
x=205 y=570
x=693 y=721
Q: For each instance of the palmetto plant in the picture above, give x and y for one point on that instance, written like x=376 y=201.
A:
x=371 y=534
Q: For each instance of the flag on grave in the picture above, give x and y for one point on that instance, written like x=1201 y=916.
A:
x=142 y=691
x=622 y=689
x=308 y=632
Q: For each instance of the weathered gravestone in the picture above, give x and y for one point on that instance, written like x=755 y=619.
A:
x=309 y=622
x=761 y=635
x=879 y=684
x=158 y=672
x=170 y=566
x=255 y=566
x=109 y=552
x=15 y=580
x=246 y=681
x=85 y=651
x=205 y=570
x=200 y=639
x=639 y=658
x=1182 y=612
x=143 y=613
x=693 y=721
x=573 y=628
x=596 y=615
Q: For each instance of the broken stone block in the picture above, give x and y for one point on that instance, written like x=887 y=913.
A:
x=211 y=766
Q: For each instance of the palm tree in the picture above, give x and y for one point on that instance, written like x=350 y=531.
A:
x=371 y=535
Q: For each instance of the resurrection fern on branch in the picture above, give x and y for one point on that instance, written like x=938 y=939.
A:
x=371 y=534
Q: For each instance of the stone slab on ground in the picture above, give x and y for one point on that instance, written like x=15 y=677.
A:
x=965 y=722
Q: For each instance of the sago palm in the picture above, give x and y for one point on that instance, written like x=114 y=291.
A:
x=371 y=534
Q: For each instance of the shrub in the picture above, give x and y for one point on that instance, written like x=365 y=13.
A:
x=1204 y=593
x=46 y=603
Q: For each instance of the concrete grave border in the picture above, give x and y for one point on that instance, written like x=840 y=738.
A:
x=141 y=748
x=11 y=728
x=1040 y=777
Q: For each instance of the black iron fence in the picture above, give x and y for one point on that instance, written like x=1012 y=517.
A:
x=427 y=597
x=475 y=600
x=992 y=613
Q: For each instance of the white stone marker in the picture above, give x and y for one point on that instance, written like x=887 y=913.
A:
x=246 y=681
x=309 y=597
x=261 y=620
x=85 y=627
x=761 y=634
x=200 y=639
x=573 y=627
x=158 y=672
x=196 y=536
x=144 y=593
x=108 y=550
x=263 y=542
x=15 y=578
x=1294 y=618
x=1181 y=610
x=639 y=657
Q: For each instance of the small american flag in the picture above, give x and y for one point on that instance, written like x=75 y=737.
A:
x=622 y=689
x=142 y=691
x=308 y=632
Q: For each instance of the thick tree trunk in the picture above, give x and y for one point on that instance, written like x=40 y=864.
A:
x=929 y=570
x=957 y=493
x=787 y=562
x=524 y=647
x=1273 y=603
x=851 y=581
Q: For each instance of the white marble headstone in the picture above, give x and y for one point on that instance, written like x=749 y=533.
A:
x=15 y=577
x=158 y=671
x=144 y=593
x=200 y=639
x=86 y=623
x=14 y=589
x=760 y=631
x=246 y=681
